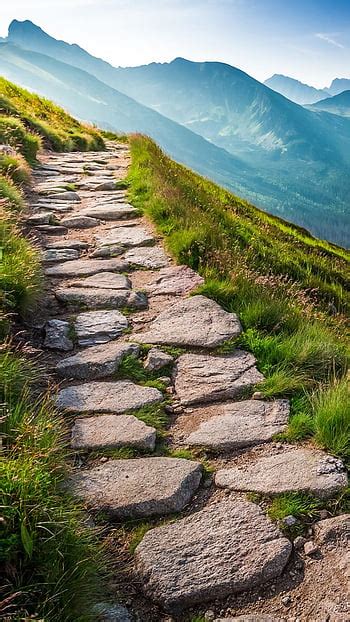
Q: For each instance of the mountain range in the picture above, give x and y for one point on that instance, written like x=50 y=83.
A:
x=291 y=160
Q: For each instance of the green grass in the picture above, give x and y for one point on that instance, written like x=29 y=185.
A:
x=331 y=415
x=132 y=368
x=153 y=415
x=52 y=567
x=290 y=290
x=299 y=505
x=15 y=167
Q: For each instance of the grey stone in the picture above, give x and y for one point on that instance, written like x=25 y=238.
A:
x=241 y=424
x=95 y=327
x=332 y=530
x=57 y=335
x=298 y=543
x=293 y=470
x=156 y=359
x=126 y=236
x=226 y=548
x=118 y=211
x=60 y=254
x=96 y=362
x=86 y=267
x=106 y=397
x=289 y=520
x=108 y=251
x=44 y=218
x=310 y=548
x=203 y=378
x=112 y=613
x=151 y=258
x=174 y=280
x=106 y=185
x=112 y=431
x=95 y=298
x=52 y=229
x=67 y=196
x=80 y=222
x=138 y=488
x=75 y=244
x=196 y=322
x=104 y=280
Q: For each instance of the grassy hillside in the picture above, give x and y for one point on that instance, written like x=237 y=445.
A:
x=51 y=566
x=290 y=290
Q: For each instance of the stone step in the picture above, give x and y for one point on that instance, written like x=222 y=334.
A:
x=106 y=397
x=112 y=432
x=67 y=196
x=126 y=236
x=175 y=281
x=96 y=327
x=226 y=548
x=87 y=267
x=201 y=378
x=118 y=211
x=58 y=335
x=138 y=488
x=298 y=469
x=236 y=425
x=144 y=257
x=96 y=362
x=98 y=298
x=70 y=243
x=194 y=322
x=80 y=222
x=60 y=254
x=104 y=280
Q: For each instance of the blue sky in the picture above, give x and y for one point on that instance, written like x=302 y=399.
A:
x=306 y=39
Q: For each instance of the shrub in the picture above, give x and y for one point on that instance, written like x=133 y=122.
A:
x=14 y=133
x=15 y=167
x=10 y=196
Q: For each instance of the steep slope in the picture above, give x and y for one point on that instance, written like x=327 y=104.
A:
x=338 y=104
x=295 y=160
x=294 y=90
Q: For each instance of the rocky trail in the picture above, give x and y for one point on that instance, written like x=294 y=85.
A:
x=115 y=302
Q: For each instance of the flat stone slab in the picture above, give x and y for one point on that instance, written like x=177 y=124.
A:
x=67 y=196
x=105 y=280
x=196 y=322
x=299 y=469
x=58 y=335
x=96 y=327
x=204 y=378
x=60 y=254
x=156 y=359
x=96 y=298
x=119 y=211
x=52 y=229
x=96 y=362
x=43 y=218
x=241 y=424
x=80 y=222
x=112 y=431
x=86 y=267
x=126 y=236
x=226 y=548
x=144 y=257
x=174 y=280
x=63 y=244
x=253 y=617
x=138 y=488
x=106 y=397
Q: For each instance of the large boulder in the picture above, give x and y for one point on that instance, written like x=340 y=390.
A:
x=204 y=378
x=197 y=322
x=106 y=397
x=138 y=488
x=241 y=424
x=298 y=469
x=226 y=548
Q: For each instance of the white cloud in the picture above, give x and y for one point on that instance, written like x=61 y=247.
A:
x=329 y=38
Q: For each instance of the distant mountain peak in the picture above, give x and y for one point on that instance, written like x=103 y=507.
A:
x=296 y=91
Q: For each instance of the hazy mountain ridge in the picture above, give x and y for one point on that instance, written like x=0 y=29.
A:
x=338 y=104
x=292 y=161
x=295 y=90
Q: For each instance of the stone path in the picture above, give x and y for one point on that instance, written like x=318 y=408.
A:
x=129 y=343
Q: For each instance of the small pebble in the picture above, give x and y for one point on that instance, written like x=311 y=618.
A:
x=299 y=543
x=310 y=548
x=289 y=520
x=286 y=600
